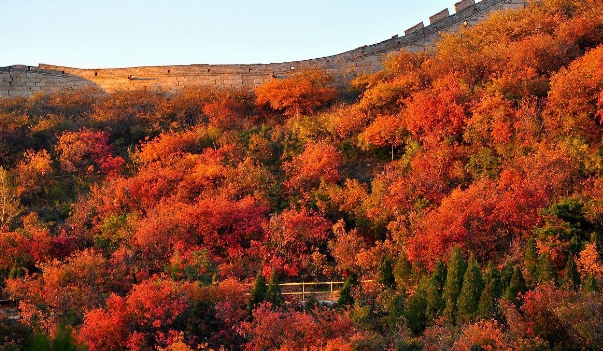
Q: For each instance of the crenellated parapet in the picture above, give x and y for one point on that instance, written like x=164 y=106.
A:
x=23 y=80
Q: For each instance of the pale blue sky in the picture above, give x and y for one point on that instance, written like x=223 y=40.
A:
x=126 y=33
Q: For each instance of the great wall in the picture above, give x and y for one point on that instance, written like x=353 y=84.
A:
x=19 y=80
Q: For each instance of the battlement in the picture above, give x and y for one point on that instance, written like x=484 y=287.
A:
x=21 y=80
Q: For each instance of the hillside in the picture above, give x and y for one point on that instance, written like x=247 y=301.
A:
x=457 y=192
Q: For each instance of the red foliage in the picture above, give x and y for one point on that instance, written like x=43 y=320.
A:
x=484 y=219
x=302 y=93
x=87 y=152
x=291 y=239
x=438 y=114
x=318 y=163
x=140 y=320
x=283 y=330
x=64 y=288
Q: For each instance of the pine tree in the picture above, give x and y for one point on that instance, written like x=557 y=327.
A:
x=505 y=276
x=258 y=291
x=571 y=277
x=487 y=306
x=386 y=274
x=516 y=286
x=473 y=285
x=415 y=307
x=273 y=292
x=590 y=285
x=454 y=281
x=546 y=269
x=395 y=310
x=435 y=302
x=345 y=294
x=402 y=271
x=530 y=261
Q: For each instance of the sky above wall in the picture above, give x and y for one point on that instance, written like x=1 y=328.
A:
x=127 y=33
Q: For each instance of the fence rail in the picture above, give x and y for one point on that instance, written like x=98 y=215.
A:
x=328 y=291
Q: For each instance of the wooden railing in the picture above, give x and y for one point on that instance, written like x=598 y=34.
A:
x=328 y=291
x=324 y=291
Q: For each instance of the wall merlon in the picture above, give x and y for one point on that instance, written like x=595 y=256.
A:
x=414 y=28
x=439 y=16
x=461 y=5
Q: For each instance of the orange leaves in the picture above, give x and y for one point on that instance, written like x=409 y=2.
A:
x=140 y=320
x=34 y=172
x=573 y=101
x=302 y=93
x=319 y=162
x=383 y=131
x=484 y=218
x=87 y=152
x=589 y=263
x=65 y=288
x=485 y=335
x=439 y=114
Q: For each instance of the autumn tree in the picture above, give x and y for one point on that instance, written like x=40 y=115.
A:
x=302 y=93
x=10 y=205
x=292 y=237
x=87 y=152
x=318 y=163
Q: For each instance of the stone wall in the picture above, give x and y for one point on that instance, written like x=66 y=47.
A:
x=23 y=80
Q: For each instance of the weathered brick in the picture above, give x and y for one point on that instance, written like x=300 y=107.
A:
x=461 y=5
x=439 y=16
x=414 y=28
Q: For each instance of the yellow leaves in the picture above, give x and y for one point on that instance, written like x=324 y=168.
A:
x=589 y=262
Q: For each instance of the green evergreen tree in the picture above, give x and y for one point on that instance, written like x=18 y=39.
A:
x=345 y=294
x=415 y=307
x=492 y=275
x=273 y=292
x=402 y=271
x=546 y=271
x=258 y=291
x=63 y=341
x=435 y=302
x=505 y=276
x=385 y=276
x=395 y=310
x=417 y=273
x=530 y=261
x=571 y=276
x=456 y=268
x=516 y=286
x=590 y=285
x=487 y=306
x=473 y=285
x=576 y=245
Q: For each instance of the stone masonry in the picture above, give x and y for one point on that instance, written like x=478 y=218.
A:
x=21 y=80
